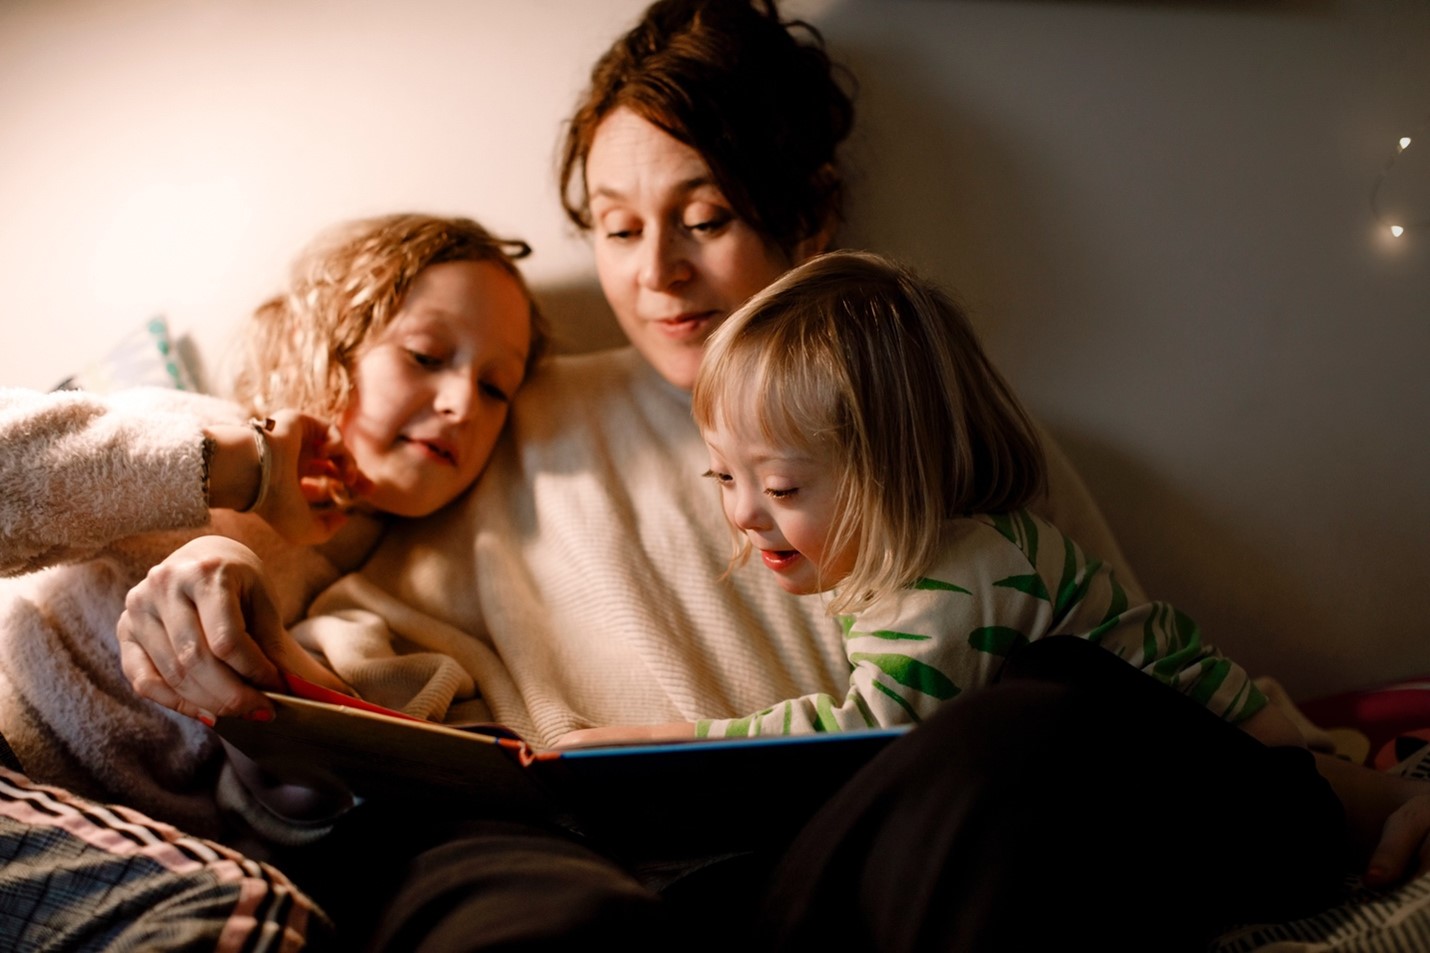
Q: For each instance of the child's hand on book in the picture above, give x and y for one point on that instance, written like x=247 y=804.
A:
x=628 y=734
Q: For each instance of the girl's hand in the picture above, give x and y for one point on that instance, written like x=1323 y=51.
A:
x=620 y=734
x=312 y=480
x=201 y=635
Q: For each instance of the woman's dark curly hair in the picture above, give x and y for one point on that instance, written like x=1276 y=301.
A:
x=755 y=95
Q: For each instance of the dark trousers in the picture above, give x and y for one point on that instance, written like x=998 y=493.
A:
x=1076 y=804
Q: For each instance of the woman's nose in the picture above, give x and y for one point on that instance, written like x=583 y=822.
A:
x=663 y=259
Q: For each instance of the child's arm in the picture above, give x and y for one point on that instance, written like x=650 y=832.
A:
x=911 y=657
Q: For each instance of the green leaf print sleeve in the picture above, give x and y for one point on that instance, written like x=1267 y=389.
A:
x=895 y=678
x=913 y=651
x=1154 y=636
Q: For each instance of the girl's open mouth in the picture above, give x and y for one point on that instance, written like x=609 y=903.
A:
x=779 y=559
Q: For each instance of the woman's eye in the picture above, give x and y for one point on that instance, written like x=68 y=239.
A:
x=709 y=225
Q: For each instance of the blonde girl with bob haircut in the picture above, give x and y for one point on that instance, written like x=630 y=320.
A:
x=893 y=386
x=865 y=447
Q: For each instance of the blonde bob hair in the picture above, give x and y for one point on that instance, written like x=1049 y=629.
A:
x=852 y=358
x=299 y=349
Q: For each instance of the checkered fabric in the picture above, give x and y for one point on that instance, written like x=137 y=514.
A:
x=80 y=876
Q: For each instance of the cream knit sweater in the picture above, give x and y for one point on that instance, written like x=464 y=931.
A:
x=583 y=581
x=97 y=490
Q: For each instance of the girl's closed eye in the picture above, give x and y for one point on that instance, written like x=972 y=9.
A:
x=724 y=479
x=495 y=392
x=423 y=359
x=781 y=492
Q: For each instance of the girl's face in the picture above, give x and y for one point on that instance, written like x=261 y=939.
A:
x=673 y=258
x=782 y=500
x=432 y=389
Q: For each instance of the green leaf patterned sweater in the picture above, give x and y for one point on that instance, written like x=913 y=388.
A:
x=1001 y=581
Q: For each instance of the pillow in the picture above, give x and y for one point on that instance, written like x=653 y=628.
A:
x=145 y=357
x=1379 y=726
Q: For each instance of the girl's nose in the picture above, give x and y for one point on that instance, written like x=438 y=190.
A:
x=747 y=510
x=455 y=395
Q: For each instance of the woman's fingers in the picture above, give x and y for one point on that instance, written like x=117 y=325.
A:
x=1404 y=847
x=147 y=681
x=309 y=473
x=184 y=638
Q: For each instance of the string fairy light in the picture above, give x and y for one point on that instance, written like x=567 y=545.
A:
x=1398 y=223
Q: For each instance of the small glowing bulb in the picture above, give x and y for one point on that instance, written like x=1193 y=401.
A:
x=1397 y=231
x=1404 y=143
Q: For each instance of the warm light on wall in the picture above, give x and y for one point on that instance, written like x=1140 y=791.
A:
x=1396 y=210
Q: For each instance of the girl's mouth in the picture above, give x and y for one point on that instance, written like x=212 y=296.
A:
x=779 y=559
x=435 y=450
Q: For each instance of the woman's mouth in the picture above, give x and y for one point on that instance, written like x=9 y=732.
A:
x=685 y=327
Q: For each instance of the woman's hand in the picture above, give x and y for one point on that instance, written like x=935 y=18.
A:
x=1404 y=847
x=625 y=734
x=201 y=635
x=311 y=477
x=1387 y=819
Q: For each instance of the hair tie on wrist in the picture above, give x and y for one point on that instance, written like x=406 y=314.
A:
x=265 y=461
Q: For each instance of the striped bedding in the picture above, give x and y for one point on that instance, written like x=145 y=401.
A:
x=1368 y=921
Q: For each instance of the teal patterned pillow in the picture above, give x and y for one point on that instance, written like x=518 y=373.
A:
x=145 y=357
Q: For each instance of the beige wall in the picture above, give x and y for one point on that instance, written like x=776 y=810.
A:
x=1158 y=212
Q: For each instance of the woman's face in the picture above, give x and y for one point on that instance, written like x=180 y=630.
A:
x=432 y=389
x=673 y=258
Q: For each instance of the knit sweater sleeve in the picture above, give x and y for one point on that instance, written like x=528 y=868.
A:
x=79 y=471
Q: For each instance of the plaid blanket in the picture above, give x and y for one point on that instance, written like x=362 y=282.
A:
x=80 y=876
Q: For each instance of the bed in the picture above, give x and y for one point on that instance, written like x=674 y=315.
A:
x=76 y=875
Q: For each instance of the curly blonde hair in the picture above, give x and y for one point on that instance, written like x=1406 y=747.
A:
x=854 y=359
x=299 y=348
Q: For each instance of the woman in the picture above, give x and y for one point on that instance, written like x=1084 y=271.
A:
x=588 y=564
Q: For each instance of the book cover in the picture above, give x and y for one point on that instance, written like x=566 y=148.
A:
x=716 y=792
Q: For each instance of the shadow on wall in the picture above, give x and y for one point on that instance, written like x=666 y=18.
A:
x=580 y=319
x=1234 y=583
x=939 y=179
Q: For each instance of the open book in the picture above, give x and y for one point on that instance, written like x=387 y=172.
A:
x=726 y=792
